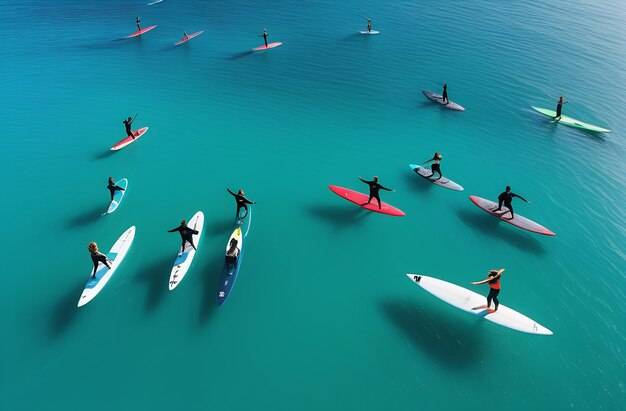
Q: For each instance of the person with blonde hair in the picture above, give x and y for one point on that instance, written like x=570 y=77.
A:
x=493 y=278
x=97 y=257
x=435 y=168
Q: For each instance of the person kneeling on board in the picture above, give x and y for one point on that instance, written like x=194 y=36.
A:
x=374 y=189
x=186 y=234
x=493 y=279
x=435 y=168
x=506 y=197
x=97 y=257
x=242 y=202
x=232 y=254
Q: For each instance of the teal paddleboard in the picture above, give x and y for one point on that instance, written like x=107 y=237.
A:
x=572 y=122
x=117 y=197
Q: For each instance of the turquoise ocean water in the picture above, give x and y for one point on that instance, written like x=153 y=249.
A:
x=322 y=315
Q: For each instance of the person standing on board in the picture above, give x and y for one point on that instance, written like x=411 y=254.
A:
x=435 y=168
x=374 y=189
x=138 y=23
x=559 y=106
x=185 y=35
x=113 y=187
x=127 y=124
x=264 y=36
x=242 y=202
x=369 y=24
x=186 y=234
x=506 y=197
x=97 y=257
x=444 y=94
x=494 y=287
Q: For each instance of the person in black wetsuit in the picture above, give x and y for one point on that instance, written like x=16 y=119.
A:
x=559 y=107
x=435 y=168
x=128 y=124
x=186 y=234
x=369 y=25
x=113 y=187
x=242 y=202
x=97 y=257
x=138 y=23
x=264 y=36
x=374 y=189
x=493 y=279
x=505 y=198
x=444 y=95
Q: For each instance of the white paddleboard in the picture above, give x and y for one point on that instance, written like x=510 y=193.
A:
x=442 y=182
x=474 y=303
x=368 y=32
x=437 y=98
x=185 y=257
x=103 y=274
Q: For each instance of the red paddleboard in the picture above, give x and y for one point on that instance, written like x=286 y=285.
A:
x=189 y=37
x=130 y=140
x=140 y=32
x=504 y=215
x=360 y=198
x=269 y=46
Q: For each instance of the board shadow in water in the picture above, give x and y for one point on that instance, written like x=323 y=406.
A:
x=454 y=344
x=100 y=155
x=210 y=279
x=155 y=276
x=419 y=182
x=238 y=55
x=493 y=227
x=339 y=216
x=64 y=312
x=220 y=227
x=88 y=217
x=105 y=44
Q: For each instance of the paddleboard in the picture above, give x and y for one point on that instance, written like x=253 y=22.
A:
x=230 y=271
x=368 y=32
x=360 y=198
x=117 y=197
x=474 y=303
x=189 y=37
x=437 y=98
x=129 y=140
x=572 y=122
x=185 y=257
x=103 y=273
x=269 y=46
x=154 y=2
x=140 y=32
x=442 y=182
x=504 y=215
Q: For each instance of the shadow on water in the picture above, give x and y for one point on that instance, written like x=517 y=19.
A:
x=492 y=227
x=155 y=276
x=65 y=310
x=448 y=340
x=104 y=45
x=210 y=279
x=239 y=55
x=339 y=216
x=101 y=155
x=88 y=217
x=417 y=181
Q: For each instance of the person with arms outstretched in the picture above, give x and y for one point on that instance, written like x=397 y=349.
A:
x=97 y=257
x=242 y=202
x=128 y=124
x=435 y=168
x=559 y=107
x=505 y=198
x=113 y=188
x=374 y=189
x=186 y=235
x=493 y=278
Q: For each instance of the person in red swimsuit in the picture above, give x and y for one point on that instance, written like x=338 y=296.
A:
x=494 y=286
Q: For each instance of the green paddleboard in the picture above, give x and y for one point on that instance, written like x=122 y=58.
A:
x=572 y=122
